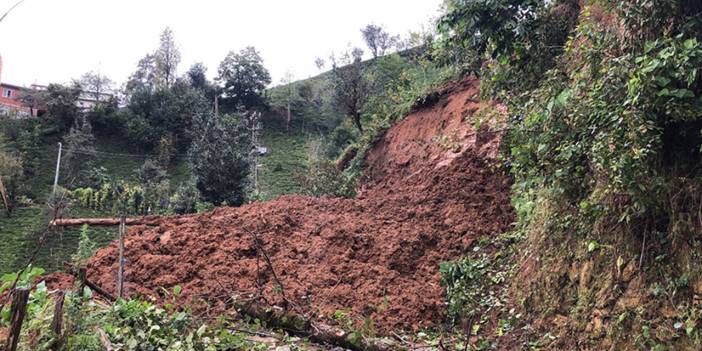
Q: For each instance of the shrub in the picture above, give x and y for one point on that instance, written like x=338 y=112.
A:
x=185 y=199
x=324 y=178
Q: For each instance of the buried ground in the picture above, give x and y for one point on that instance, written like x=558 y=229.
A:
x=432 y=187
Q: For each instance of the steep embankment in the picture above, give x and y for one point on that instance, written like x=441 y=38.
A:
x=432 y=189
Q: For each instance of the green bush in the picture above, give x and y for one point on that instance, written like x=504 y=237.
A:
x=324 y=178
x=185 y=199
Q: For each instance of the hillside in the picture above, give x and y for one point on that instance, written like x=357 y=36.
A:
x=530 y=181
x=376 y=255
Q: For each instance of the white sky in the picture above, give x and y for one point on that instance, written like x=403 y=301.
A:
x=47 y=41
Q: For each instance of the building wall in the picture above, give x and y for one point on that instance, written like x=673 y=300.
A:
x=9 y=92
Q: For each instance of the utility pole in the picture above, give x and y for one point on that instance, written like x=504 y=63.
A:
x=58 y=164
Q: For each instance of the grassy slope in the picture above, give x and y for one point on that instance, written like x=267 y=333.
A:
x=19 y=232
x=286 y=157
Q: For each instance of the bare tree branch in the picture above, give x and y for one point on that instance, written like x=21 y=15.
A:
x=10 y=10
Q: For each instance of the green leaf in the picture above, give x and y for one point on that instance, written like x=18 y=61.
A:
x=592 y=246
x=662 y=81
x=683 y=93
x=201 y=330
x=690 y=43
x=177 y=290
x=562 y=98
x=690 y=326
x=650 y=46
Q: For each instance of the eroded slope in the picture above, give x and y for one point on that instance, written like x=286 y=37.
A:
x=432 y=189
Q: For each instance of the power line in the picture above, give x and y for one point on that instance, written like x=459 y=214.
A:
x=100 y=153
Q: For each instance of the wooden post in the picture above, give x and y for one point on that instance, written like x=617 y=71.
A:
x=120 y=271
x=18 y=311
x=3 y=194
x=57 y=322
x=82 y=279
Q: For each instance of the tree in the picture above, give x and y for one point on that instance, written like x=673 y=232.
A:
x=185 y=199
x=61 y=104
x=243 y=78
x=96 y=85
x=145 y=75
x=320 y=63
x=156 y=187
x=11 y=171
x=168 y=112
x=151 y=172
x=289 y=92
x=80 y=152
x=378 y=40
x=197 y=78
x=350 y=84
x=166 y=59
x=487 y=26
x=219 y=158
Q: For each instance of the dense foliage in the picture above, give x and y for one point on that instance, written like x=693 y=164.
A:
x=80 y=153
x=220 y=157
x=125 y=325
x=604 y=141
x=243 y=79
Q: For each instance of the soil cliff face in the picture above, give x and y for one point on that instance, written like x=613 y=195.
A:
x=432 y=188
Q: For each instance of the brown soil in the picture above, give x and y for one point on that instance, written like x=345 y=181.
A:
x=432 y=188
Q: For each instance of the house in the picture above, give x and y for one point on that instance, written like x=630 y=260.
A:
x=10 y=102
x=86 y=100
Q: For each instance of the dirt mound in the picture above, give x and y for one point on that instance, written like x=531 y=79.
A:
x=432 y=189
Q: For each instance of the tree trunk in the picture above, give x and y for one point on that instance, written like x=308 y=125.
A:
x=357 y=121
x=17 y=313
x=57 y=322
x=146 y=220
x=3 y=194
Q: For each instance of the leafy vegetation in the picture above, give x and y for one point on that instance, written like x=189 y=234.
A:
x=603 y=141
x=125 y=325
x=220 y=157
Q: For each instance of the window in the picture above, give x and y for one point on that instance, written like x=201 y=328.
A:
x=7 y=93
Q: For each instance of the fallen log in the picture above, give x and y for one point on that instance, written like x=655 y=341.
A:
x=316 y=332
x=146 y=220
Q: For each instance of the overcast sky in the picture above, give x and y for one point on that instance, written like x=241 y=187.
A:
x=47 y=41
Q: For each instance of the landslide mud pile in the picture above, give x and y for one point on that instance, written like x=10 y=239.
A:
x=431 y=190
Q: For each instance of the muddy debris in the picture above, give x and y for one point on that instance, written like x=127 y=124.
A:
x=432 y=188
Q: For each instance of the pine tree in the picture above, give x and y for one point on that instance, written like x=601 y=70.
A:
x=220 y=157
x=80 y=152
x=167 y=58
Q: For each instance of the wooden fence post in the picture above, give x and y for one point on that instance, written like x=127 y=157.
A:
x=120 y=271
x=57 y=322
x=18 y=311
x=4 y=197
